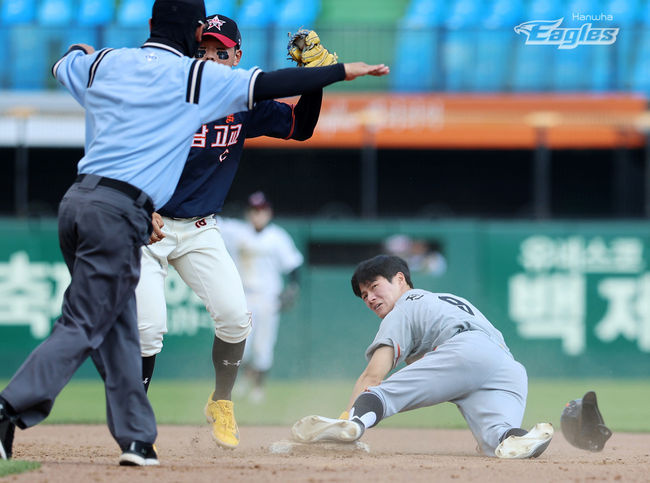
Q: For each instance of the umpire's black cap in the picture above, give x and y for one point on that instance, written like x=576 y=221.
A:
x=175 y=10
x=223 y=29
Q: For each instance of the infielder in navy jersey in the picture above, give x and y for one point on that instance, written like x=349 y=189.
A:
x=190 y=239
x=452 y=354
x=217 y=146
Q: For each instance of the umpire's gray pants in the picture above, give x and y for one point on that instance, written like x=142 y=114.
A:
x=470 y=370
x=101 y=231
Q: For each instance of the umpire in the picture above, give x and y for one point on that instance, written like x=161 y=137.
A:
x=142 y=109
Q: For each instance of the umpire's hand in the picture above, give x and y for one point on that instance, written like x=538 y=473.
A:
x=358 y=69
x=157 y=224
x=88 y=49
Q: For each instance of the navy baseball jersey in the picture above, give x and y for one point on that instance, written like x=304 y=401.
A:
x=215 y=154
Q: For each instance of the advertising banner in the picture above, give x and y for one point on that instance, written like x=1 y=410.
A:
x=572 y=299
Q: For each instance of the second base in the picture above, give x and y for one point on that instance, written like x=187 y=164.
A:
x=293 y=447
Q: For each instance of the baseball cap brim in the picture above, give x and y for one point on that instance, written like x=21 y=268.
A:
x=222 y=38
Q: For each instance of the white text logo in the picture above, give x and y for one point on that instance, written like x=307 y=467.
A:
x=549 y=32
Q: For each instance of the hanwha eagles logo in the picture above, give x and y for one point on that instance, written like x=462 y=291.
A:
x=215 y=22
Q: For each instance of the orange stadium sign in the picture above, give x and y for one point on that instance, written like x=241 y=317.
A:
x=515 y=121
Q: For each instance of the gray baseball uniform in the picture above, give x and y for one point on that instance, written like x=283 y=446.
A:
x=454 y=354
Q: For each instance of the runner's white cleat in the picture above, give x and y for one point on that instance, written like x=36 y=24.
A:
x=530 y=445
x=319 y=428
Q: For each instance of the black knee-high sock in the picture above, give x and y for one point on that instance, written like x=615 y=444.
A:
x=147 y=370
x=368 y=410
x=226 y=359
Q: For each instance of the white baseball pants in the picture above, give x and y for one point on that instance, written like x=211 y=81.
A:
x=194 y=247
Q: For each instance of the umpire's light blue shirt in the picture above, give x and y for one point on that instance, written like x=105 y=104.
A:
x=143 y=107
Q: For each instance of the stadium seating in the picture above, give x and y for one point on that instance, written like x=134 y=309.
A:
x=425 y=13
x=417 y=43
x=459 y=53
x=292 y=15
x=299 y=13
x=131 y=26
x=641 y=71
x=362 y=30
x=572 y=66
x=254 y=18
x=613 y=66
x=257 y=13
x=61 y=24
x=91 y=18
x=533 y=64
x=54 y=13
x=4 y=58
x=132 y=13
x=54 y=19
x=13 y=13
x=26 y=54
x=446 y=45
x=16 y=12
x=495 y=43
x=264 y=26
x=603 y=74
x=95 y=13
x=223 y=7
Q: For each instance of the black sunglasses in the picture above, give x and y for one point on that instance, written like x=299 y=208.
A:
x=222 y=54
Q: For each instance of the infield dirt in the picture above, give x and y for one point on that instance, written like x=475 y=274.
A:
x=75 y=453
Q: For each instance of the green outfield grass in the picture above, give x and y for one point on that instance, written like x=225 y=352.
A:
x=12 y=467
x=624 y=403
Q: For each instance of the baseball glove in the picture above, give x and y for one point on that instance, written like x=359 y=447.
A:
x=289 y=296
x=306 y=50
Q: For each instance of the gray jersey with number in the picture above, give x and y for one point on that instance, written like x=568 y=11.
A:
x=453 y=354
x=422 y=320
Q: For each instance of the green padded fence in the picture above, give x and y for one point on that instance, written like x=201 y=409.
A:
x=572 y=299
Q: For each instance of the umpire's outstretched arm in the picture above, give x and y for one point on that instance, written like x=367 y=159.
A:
x=294 y=81
x=308 y=108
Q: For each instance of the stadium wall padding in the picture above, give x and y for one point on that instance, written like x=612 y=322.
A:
x=571 y=298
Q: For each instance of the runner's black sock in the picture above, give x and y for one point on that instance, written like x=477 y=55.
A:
x=147 y=370
x=368 y=410
x=226 y=359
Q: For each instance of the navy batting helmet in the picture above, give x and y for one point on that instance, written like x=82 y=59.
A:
x=583 y=425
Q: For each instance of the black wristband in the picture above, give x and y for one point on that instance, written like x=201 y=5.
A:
x=294 y=81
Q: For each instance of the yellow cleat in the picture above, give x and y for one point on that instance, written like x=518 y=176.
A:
x=224 y=427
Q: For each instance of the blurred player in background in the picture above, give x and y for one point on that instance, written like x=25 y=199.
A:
x=421 y=256
x=452 y=354
x=264 y=253
x=188 y=237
